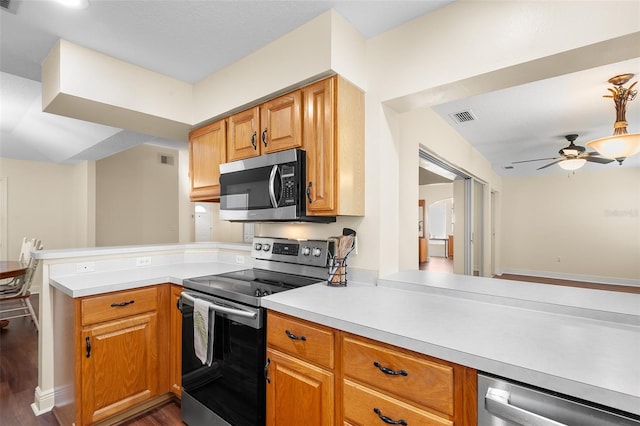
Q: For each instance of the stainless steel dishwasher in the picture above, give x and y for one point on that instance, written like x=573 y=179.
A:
x=505 y=403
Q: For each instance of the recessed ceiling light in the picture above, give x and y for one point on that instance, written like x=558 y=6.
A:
x=74 y=4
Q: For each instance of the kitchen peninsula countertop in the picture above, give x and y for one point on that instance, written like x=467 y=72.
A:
x=580 y=342
x=115 y=268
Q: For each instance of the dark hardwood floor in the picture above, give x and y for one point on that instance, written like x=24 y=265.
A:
x=19 y=378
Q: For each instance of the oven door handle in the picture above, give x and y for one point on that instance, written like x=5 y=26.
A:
x=218 y=308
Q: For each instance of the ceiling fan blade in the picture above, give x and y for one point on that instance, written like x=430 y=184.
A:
x=537 y=159
x=600 y=160
x=550 y=164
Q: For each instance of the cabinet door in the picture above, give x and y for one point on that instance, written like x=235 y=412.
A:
x=207 y=150
x=175 y=342
x=319 y=142
x=119 y=366
x=298 y=393
x=243 y=138
x=281 y=123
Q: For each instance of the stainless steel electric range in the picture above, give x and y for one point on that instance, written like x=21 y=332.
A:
x=228 y=388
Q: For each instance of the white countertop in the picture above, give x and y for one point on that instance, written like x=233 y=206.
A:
x=104 y=282
x=516 y=337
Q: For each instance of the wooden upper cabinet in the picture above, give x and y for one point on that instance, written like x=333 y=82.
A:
x=207 y=150
x=326 y=119
x=281 y=123
x=244 y=137
x=273 y=126
x=319 y=137
x=334 y=142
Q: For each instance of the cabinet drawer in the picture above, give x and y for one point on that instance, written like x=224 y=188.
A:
x=311 y=342
x=118 y=305
x=424 y=382
x=365 y=406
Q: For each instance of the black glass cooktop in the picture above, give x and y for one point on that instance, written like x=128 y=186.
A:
x=249 y=285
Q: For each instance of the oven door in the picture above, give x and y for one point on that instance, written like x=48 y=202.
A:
x=263 y=188
x=231 y=390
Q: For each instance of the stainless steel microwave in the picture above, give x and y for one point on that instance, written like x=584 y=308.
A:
x=267 y=188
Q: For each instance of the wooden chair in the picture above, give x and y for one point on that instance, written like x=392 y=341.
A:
x=14 y=295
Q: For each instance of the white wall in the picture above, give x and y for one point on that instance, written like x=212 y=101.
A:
x=137 y=197
x=47 y=201
x=413 y=63
x=590 y=221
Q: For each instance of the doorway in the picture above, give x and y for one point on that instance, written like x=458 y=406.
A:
x=459 y=235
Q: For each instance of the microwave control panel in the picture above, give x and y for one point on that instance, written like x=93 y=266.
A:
x=288 y=185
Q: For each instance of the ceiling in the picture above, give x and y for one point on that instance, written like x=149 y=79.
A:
x=169 y=37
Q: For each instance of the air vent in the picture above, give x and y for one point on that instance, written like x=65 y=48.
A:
x=9 y=5
x=167 y=159
x=463 y=116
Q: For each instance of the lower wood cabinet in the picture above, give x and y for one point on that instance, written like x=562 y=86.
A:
x=119 y=365
x=298 y=393
x=299 y=375
x=383 y=382
x=120 y=359
x=317 y=375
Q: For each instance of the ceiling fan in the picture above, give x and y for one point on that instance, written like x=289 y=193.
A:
x=572 y=157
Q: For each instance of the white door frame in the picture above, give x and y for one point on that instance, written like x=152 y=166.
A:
x=4 y=208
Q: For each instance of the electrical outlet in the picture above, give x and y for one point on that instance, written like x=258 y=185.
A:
x=143 y=261
x=240 y=259
x=558 y=259
x=85 y=267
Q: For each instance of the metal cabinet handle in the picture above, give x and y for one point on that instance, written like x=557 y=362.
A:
x=388 y=420
x=253 y=140
x=88 y=345
x=309 y=191
x=292 y=336
x=266 y=371
x=390 y=372
x=264 y=136
x=497 y=402
x=115 y=305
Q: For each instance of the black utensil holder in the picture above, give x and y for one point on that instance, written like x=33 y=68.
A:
x=337 y=272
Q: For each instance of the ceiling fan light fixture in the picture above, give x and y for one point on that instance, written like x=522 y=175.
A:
x=572 y=163
x=622 y=144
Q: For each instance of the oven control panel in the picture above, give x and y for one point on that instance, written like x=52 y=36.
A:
x=302 y=252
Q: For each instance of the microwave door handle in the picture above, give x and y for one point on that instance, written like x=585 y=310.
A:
x=272 y=183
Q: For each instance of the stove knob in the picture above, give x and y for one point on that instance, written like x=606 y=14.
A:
x=257 y=293
x=266 y=247
x=317 y=251
x=257 y=246
x=265 y=293
x=306 y=251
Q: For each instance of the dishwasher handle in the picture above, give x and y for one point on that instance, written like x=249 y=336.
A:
x=497 y=402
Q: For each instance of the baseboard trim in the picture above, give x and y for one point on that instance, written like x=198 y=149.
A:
x=572 y=277
x=43 y=401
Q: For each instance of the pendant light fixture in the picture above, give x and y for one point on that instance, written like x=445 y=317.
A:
x=622 y=144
